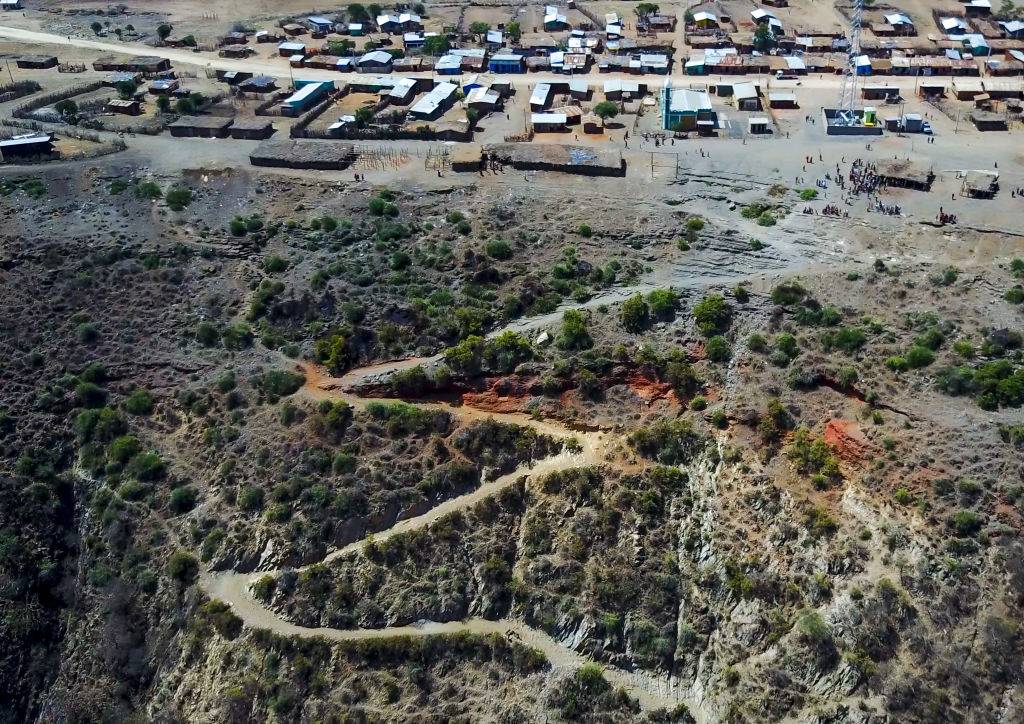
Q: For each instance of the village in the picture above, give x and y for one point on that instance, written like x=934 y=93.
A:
x=593 y=89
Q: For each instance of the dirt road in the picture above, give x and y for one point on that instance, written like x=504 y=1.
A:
x=279 y=67
x=650 y=690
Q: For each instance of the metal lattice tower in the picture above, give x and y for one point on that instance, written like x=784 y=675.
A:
x=848 y=94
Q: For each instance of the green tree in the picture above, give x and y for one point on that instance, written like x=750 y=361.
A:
x=514 y=31
x=436 y=45
x=574 y=334
x=163 y=31
x=642 y=10
x=764 y=38
x=67 y=109
x=96 y=27
x=479 y=28
x=126 y=89
x=605 y=110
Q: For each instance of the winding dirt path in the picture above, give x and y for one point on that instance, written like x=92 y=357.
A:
x=649 y=690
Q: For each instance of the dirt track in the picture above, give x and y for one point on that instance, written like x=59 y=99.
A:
x=651 y=691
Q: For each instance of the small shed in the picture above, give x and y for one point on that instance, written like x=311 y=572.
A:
x=746 y=96
x=988 y=121
x=163 y=86
x=906 y=174
x=124 y=107
x=759 y=125
x=36 y=62
x=980 y=184
x=592 y=124
x=782 y=100
x=25 y=145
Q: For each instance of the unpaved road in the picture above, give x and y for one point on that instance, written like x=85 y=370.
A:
x=651 y=691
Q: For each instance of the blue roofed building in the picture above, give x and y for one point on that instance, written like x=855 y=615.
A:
x=505 y=63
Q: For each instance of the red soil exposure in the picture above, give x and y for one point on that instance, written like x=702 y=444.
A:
x=846 y=440
x=648 y=389
x=505 y=394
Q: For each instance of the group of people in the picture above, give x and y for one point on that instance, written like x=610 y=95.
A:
x=834 y=210
x=943 y=218
x=890 y=209
x=864 y=178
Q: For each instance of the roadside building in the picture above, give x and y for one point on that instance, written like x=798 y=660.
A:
x=307 y=94
x=376 y=61
x=505 y=63
x=294 y=29
x=759 y=126
x=618 y=89
x=10 y=5
x=402 y=92
x=200 y=127
x=163 y=86
x=592 y=124
x=288 y=48
x=540 y=98
x=356 y=30
x=783 y=100
x=549 y=122
x=483 y=100
x=146 y=64
x=579 y=89
x=235 y=51
x=686 y=110
x=258 y=84
x=494 y=39
x=320 y=24
x=435 y=103
x=988 y=121
x=980 y=184
x=26 y=145
x=251 y=129
x=448 y=65
x=267 y=36
x=746 y=96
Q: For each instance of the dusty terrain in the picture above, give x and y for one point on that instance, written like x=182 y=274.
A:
x=292 y=446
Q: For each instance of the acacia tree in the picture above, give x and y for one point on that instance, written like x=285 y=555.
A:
x=644 y=9
x=605 y=110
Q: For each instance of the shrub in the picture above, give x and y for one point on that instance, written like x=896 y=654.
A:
x=694 y=223
x=808 y=194
x=585 y=231
x=182 y=499
x=1015 y=295
x=847 y=339
x=717 y=349
x=498 y=249
x=275 y=264
x=635 y=314
x=966 y=523
x=89 y=394
x=506 y=351
x=250 y=498
x=148 y=190
x=918 y=357
x=574 y=334
x=123 y=448
x=139 y=402
x=178 y=197
x=766 y=219
x=207 y=334
x=788 y=293
x=670 y=442
x=757 y=343
x=183 y=566
x=146 y=466
x=281 y=383
x=663 y=303
x=712 y=314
